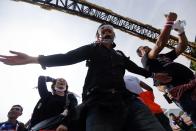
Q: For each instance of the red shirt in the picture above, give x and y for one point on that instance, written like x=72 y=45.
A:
x=148 y=98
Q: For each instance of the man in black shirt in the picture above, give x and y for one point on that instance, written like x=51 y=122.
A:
x=109 y=106
x=12 y=124
x=155 y=62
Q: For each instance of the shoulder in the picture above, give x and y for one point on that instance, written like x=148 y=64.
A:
x=93 y=46
x=21 y=123
x=71 y=98
x=1 y=123
x=119 y=52
x=85 y=48
x=71 y=94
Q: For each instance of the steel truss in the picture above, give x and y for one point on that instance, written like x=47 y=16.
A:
x=100 y=14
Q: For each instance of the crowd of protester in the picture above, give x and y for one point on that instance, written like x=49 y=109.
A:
x=111 y=101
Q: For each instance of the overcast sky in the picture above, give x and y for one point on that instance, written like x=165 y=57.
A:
x=30 y=29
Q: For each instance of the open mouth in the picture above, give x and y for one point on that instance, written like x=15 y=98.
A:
x=107 y=37
x=61 y=88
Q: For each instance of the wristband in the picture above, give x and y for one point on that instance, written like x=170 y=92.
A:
x=169 y=23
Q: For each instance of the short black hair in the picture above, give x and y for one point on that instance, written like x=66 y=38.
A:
x=18 y=106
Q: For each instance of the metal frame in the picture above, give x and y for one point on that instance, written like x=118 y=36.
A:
x=100 y=14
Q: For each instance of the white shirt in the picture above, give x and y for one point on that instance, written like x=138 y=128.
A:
x=133 y=84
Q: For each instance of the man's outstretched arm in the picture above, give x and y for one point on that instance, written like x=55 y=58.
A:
x=71 y=57
x=19 y=58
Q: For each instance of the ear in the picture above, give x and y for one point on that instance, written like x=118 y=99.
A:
x=98 y=36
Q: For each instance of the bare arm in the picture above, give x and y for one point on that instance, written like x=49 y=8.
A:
x=182 y=45
x=42 y=86
x=145 y=86
x=163 y=37
x=71 y=57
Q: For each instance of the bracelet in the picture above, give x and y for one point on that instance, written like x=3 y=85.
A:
x=170 y=22
x=166 y=25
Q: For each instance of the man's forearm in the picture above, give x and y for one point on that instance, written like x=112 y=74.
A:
x=164 y=36
x=33 y=60
x=183 y=42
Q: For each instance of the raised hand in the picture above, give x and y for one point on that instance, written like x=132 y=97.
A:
x=171 y=16
x=18 y=59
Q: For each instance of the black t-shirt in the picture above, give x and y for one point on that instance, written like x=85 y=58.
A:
x=48 y=107
x=164 y=63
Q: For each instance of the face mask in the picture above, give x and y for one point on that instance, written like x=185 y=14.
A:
x=60 y=83
x=107 y=41
x=60 y=90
